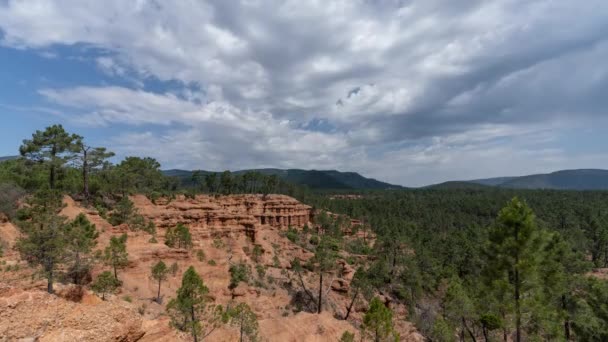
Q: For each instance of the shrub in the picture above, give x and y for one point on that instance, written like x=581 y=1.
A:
x=211 y=262
x=173 y=269
x=200 y=254
x=239 y=273
x=9 y=195
x=261 y=270
x=178 y=237
x=218 y=243
x=292 y=234
x=257 y=253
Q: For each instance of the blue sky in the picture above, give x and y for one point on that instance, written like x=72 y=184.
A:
x=413 y=93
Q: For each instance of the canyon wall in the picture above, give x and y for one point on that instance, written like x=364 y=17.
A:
x=210 y=216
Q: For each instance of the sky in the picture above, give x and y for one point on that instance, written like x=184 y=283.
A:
x=411 y=92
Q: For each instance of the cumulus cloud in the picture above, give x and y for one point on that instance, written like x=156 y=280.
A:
x=413 y=90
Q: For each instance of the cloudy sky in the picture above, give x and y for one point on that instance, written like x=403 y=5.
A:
x=407 y=91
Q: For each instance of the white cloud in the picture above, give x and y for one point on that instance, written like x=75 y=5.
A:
x=448 y=78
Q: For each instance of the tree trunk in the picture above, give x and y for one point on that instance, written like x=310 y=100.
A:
x=241 y=339
x=194 y=334
x=52 y=175
x=485 y=333
x=115 y=273
x=466 y=327
x=517 y=308
x=158 y=295
x=76 y=275
x=49 y=285
x=350 y=306
x=85 y=174
x=320 y=292
x=566 y=320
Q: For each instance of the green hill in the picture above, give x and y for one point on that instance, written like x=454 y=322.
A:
x=581 y=179
x=315 y=179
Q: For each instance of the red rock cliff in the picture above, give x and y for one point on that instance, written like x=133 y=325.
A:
x=209 y=216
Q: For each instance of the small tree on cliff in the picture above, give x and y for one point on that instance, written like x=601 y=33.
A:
x=159 y=272
x=105 y=283
x=191 y=311
x=179 y=237
x=378 y=322
x=359 y=285
x=125 y=209
x=80 y=236
x=242 y=317
x=115 y=255
x=324 y=261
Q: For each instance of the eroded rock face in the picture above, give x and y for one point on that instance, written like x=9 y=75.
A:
x=209 y=216
x=39 y=316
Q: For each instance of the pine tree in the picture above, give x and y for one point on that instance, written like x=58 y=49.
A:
x=159 y=272
x=90 y=159
x=124 y=211
x=512 y=262
x=52 y=147
x=80 y=236
x=178 y=237
x=359 y=285
x=459 y=308
x=105 y=283
x=191 y=311
x=116 y=255
x=324 y=261
x=378 y=322
x=43 y=241
x=246 y=321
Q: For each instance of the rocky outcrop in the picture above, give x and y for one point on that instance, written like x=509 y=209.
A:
x=209 y=216
x=38 y=316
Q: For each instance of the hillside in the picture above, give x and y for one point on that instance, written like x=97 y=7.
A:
x=315 y=179
x=581 y=179
x=460 y=185
x=8 y=158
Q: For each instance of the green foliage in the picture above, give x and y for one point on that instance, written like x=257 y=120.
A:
x=347 y=336
x=261 y=271
x=292 y=234
x=200 y=255
x=178 y=237
x=173 y=269
x=80 y=237
x=211 y=262
x=43 y=241
x=191 y=311
x=257 y=253
x=52 y=148
x=115 y=254
x=242 y=317
x=378 y=322
x=442 y=331
x=159 y=273
x=514 y=242
x=239 y=273
x=123 y=212
x=105 y=283
x=9 y=195
x=218 y=243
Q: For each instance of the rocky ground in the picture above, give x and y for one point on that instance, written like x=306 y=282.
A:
x=225 y=229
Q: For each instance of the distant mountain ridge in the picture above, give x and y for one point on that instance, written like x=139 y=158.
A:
x=315 y=179
x=8 y=158
x=578 y=179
